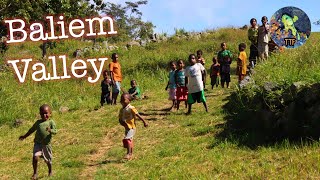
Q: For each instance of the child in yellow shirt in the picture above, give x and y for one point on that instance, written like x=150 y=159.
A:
x=127 y=116
x=242 y=62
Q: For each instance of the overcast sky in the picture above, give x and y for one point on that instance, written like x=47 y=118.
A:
x=200 y=15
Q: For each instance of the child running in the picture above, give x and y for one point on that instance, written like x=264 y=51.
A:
x=214 y=72
x=45 y=128
x=180 y=78
x=172 y=84
x=195 y=86
x=224 y=59
x=134 y=91
x=127 y=116
x=106 y=85
x=242 y=62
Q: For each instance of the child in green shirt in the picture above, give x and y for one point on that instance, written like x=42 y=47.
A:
x=134 y=91
x=45 y=128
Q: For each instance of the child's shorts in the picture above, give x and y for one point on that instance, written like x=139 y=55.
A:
x=105 y=97
x=172 y=94
x=225 y=77
x=182 y=93
x=44 y=151
x=116 y=87
x=129 y=133
x=214 y=80
x=196 y=97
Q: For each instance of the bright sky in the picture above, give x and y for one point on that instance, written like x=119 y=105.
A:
x=200 y=15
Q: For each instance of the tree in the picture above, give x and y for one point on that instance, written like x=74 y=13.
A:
x=35 y=10
x=129 y=21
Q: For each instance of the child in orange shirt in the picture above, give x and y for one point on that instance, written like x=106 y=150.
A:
x=242 y=62
x=116 y=76
x=214 y=72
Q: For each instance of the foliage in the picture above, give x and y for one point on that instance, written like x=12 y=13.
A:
x=129 y=21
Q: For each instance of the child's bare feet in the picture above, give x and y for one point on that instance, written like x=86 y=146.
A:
x=34 y=177
x=128 y=157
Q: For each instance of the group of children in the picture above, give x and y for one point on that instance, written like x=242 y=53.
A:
x=111 y=84
x=188 y=84
x=184 y=85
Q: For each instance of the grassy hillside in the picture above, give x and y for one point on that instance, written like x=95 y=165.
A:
x=174 y=146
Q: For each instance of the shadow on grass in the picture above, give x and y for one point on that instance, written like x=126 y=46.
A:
x=113 y=161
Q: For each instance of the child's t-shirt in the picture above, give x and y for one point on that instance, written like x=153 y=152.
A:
x=106 y=86
x=180 y=77
x=263 y=35
x=135 y=89
x=253 y=35
x=224 y=61
x=172 y=81
x=242 y=62
x=215 y=69
x=42 y=136
x=128 y=115
x=194 y=73
x=115 y=67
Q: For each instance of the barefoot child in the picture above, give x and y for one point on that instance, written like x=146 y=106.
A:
x=242 y=62
x=214 y=72
x=224 y=59
x=45 y=128
x=172 y=84
x=127 y=116
x=180 y=78
x=195 y=86
x=134 y=91
x=106 y=85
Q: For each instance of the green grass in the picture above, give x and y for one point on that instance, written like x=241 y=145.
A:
x=175 y=146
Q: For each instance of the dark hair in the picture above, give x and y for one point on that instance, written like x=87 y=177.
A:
x=242 y=45
x=113 y=56
x=44 y=106
x=199 y=52
x=264 y=17
x=180 y=61
x=191 y=56
x=172 y=63
x=214 y=58
x=252 y=19
x=222 y=44
x=133 y=81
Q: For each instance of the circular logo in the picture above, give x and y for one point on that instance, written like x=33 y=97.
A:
x=290 y=27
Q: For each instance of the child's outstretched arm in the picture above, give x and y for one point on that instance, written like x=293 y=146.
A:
x=144 y=122
x=30 y=131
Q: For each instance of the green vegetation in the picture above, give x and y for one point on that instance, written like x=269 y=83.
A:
x=175 y=146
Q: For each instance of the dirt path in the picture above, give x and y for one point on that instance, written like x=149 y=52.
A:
x=95 y=157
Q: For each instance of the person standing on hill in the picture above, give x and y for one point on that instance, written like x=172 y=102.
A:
x=180 y=78
x=116 y=76
x=202 y=61
x=263 y=39
x=242 y=62
x=127 y=117
x=253 y=37
x=44 y=128
x=106 y=85
x=195 y=85
x=172 y=84
x=214 y=72
x=224 y=59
